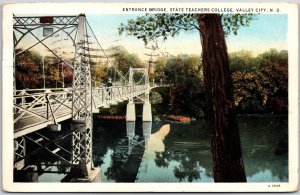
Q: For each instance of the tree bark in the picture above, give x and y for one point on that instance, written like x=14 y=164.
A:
x=225 y=139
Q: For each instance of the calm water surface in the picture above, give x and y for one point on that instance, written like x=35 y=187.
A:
x=167 y=151
x=172 y=152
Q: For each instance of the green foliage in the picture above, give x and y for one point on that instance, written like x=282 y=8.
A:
x=155 y=98
x=272 y=85
x=184 y=74
x=232 y=22
x=99 y=73
x=245 y=91
x=150 y=27
x=243 y=61
x=183 y=67
x=123 y=60
x=153 y=26
x=273 y=56
x=159 y=72
x=29 y=71
x=68 y=76
x=260 y=83
x=264 y=87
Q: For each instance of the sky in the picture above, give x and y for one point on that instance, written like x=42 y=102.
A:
x=265 y=32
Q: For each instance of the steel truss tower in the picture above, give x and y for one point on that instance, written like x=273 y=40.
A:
x=145 y=76
x=147 y=113
x=82 y=101
x=76 y=29
x=27 y=26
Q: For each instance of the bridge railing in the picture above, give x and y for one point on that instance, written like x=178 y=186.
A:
x=42 y=104
x=46 y=105
x=107 y=95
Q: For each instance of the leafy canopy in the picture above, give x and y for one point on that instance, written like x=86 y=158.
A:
x=152 y=26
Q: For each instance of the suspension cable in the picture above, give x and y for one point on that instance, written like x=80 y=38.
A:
x=104 y=51
x=140 y=79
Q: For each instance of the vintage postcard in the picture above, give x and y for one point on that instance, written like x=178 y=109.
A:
x=150 y=97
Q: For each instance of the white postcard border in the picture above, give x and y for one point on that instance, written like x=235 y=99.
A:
x=116 y=8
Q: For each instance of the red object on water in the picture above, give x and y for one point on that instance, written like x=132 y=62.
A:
x=183 y=119
x=113 y=117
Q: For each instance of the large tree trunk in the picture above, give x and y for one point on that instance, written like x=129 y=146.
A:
x=225 y=139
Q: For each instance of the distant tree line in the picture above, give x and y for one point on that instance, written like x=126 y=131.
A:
x=260 y=82
x=32 y=66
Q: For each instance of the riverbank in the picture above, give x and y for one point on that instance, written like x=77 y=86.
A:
x=177 y=118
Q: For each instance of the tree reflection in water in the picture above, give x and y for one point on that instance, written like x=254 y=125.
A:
x=264 y=144
x=181 y=153
x=189 y=151
x=176 y=152
x=162 y=159
x=114 y=171
x=187 y=169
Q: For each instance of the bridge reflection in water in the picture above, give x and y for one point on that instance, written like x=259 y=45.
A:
x=178 y=154
x=128 y=153
x=124 y=157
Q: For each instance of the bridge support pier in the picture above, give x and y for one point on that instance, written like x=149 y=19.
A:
x=82 y=169
x=130 y=111
x=27 y=174
x=23 y=172
x=147 y=113
x=81 y=173
x=54 y=127
x=20 y=152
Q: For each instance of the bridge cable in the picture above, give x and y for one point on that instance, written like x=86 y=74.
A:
x=104 y=51
x=140 y=79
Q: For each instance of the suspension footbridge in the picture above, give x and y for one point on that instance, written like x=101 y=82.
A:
x=35 y=109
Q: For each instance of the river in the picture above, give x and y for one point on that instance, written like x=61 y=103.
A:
x=166 y=151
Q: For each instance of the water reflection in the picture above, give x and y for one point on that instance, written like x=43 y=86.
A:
x=130 y=129
x=127 y=154
x=265 y=148
x=147 y=128
x=154 y=143
x=265 y=175
x=183 y=154
x=173 y=152
x=168 y=164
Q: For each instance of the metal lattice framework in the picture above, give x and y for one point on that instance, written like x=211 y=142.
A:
x=145 y=76
x=32 y=105
x=38 y=108
x=20 y=152
x=36 y=21
x=41 y=106
x=82 y=98
x=25 y=26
